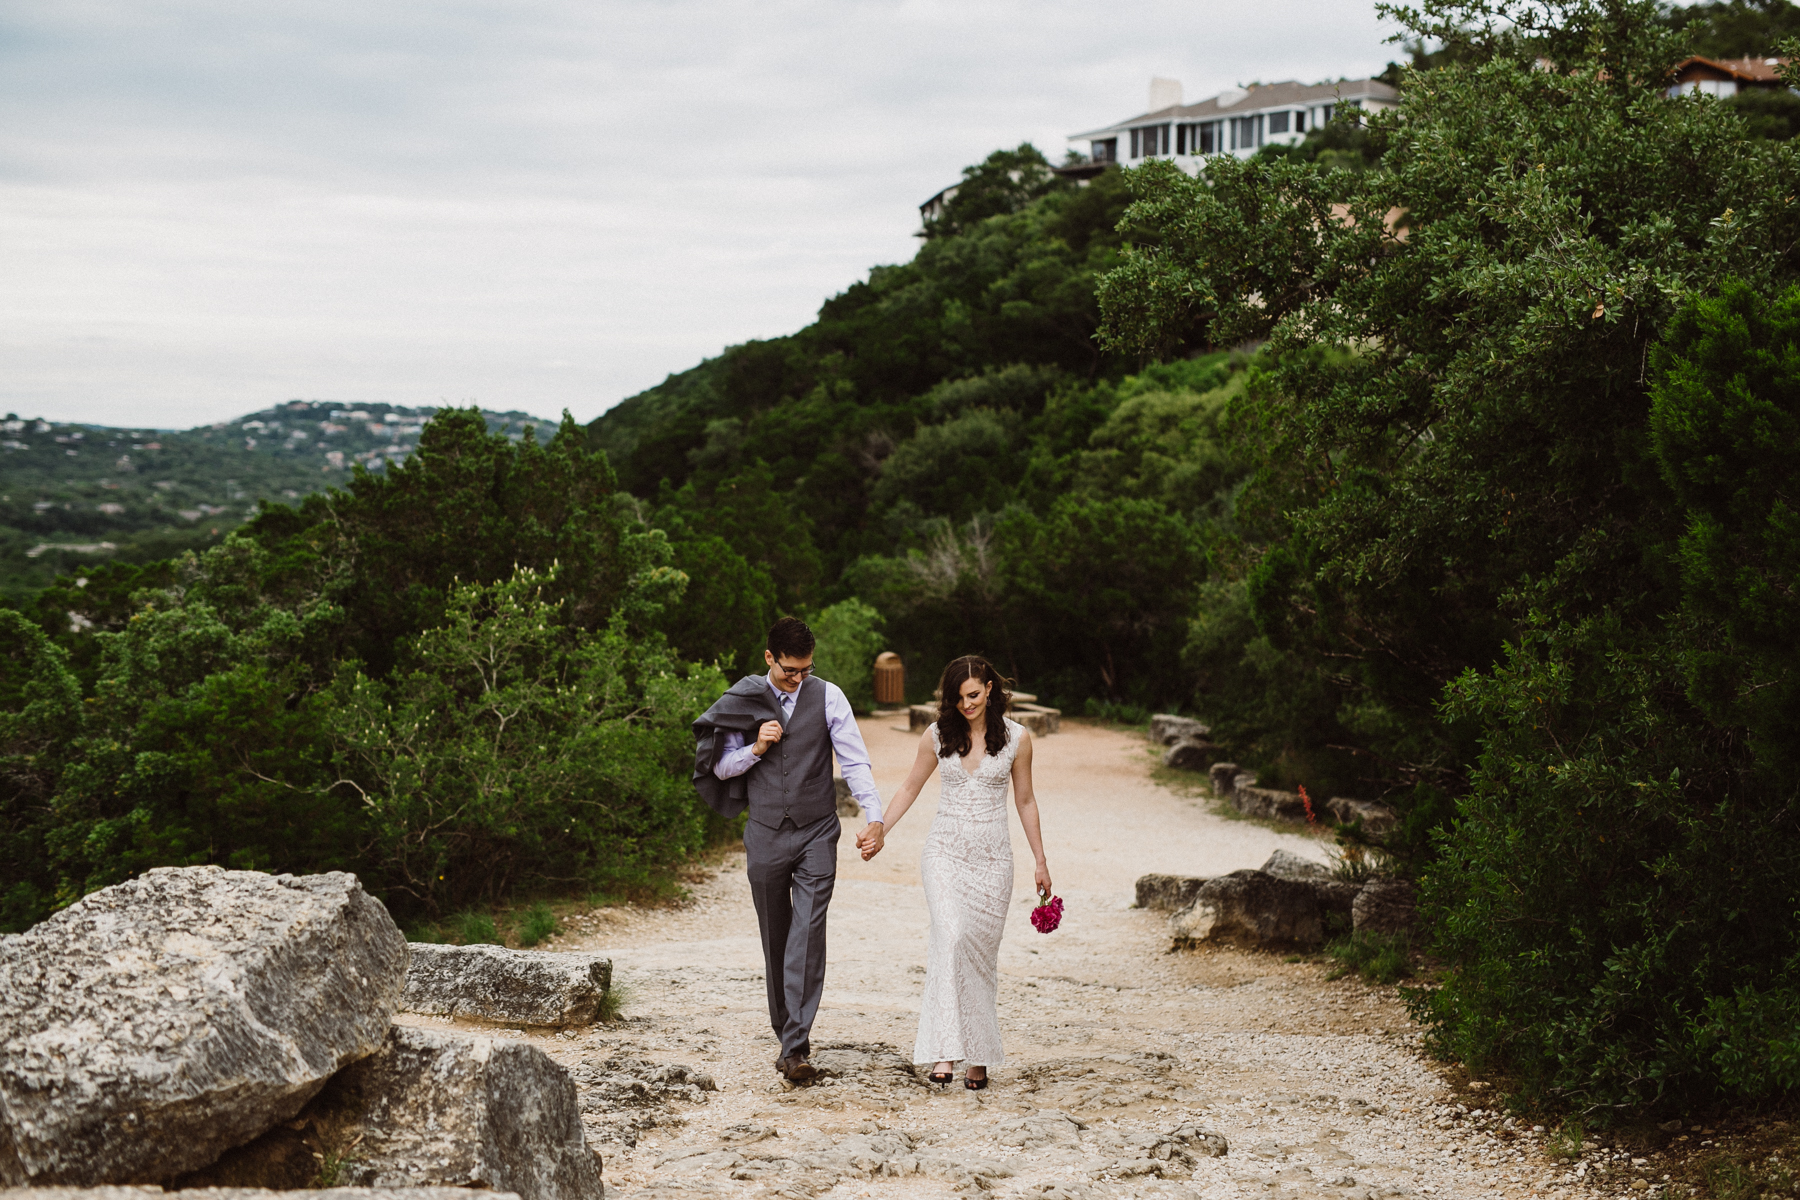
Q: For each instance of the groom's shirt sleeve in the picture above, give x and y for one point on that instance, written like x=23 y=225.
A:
x=734 y=756
x=852 y=755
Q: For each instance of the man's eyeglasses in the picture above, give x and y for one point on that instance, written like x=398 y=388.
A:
x=793 y=672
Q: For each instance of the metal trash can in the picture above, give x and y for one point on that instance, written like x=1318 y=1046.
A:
x=890 y=679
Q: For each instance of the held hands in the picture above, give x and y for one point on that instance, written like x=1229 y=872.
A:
x=767 y=734
x=870 y=840
x=1041 y=877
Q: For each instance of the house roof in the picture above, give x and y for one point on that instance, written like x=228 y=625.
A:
x=1258 y=98
x=1746 y=70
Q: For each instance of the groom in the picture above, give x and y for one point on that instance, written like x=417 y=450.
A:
x=766 y=747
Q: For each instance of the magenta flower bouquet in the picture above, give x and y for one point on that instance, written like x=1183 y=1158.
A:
x=1048 y=914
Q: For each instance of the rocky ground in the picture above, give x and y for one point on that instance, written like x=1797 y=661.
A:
x=1129 y=1068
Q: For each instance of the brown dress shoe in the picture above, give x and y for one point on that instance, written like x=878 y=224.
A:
x=797 y=1070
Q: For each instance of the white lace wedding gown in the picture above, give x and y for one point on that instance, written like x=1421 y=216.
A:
x=968 y=874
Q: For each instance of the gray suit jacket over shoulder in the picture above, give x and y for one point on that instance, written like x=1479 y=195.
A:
x=744 y=706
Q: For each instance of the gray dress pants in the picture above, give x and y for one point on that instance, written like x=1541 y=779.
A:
x=792 y=871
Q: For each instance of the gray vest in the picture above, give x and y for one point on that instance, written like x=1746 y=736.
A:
x=793 y=780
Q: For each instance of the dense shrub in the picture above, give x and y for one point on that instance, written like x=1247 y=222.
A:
x=522 y=729
x=849 y=637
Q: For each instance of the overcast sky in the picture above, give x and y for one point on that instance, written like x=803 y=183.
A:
x=207 y=207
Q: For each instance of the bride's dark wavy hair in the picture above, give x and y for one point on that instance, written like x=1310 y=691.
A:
x=953 y=727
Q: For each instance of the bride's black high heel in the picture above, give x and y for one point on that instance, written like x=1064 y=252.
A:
x=942 y=1079
x=975 y=1085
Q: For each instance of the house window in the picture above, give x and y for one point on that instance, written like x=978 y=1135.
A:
x=1246 y=133
x=1209 y=138
x=1300 y=121
x=1325 y=114
x=1106 y=150
x=1278 y=122
x=1153 y=139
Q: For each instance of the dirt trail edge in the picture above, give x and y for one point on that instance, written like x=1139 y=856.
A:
x=1122 y=1059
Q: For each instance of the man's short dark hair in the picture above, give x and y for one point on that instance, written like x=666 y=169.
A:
x=790 y=638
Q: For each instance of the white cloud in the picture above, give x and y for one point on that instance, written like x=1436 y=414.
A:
x=537 y=204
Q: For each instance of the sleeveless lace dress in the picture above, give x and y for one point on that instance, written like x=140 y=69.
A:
x=967 y=870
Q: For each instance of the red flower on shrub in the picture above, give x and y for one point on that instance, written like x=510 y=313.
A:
x=1312 y=818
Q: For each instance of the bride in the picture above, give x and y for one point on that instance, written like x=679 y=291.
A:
x=968 y=865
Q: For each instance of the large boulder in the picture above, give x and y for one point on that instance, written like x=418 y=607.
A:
x=248 y=1193
x=153 y=1025
x=1269 y=803
x=1167 y=729
x=1386 y=906
x=513 y=987
x=1254 y=907
x=1285 y=864
x=1377 y=819
x=1167 y=893
x=434 y=1109
x=1337 y=897
x=1190 y=754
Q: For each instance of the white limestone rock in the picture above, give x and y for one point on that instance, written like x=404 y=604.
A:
x=1252 y=907
x=147 y=1192
x=1166 y=729
x=433 y=1109
x=1386 y=906
x=430 y=1109
x=512 y=987
x=1168 y=893
x=153 y=1025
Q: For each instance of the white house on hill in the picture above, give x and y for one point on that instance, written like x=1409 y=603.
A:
x=1238 y=122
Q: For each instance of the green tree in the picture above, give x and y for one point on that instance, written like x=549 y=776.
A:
x=1101 y=589
x=1725 y=425
x=849 y=637
x=1461 y=528
x=40 y=710
x=1005 y=182
x=520 y=754
x=1734 y=28
x=469 y=506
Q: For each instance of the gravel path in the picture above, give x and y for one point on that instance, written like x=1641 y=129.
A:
x=1125 y=1062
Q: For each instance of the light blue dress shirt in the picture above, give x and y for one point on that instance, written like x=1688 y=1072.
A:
x=846 y=742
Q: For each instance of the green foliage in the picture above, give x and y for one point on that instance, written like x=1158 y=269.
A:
x=1772 y=113
x=1725 y=428
x=539 y=923
x=987 y=317
x=1118 y=714
x=519 y=754
x=967 y=465
x=1472 y=489
x=1106 y=581
x=1734 y=28
x=1611 y=874
x=470 y=507
x=475 y=929
x=615 y=1000
x=1377 y=957
x=849 y=636
x=40 y=701
x=1004 y=183
x=501 y=734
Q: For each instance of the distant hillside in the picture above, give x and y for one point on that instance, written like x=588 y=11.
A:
x=75 y=493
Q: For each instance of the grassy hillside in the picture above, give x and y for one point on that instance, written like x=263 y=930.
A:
x=74 y=494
